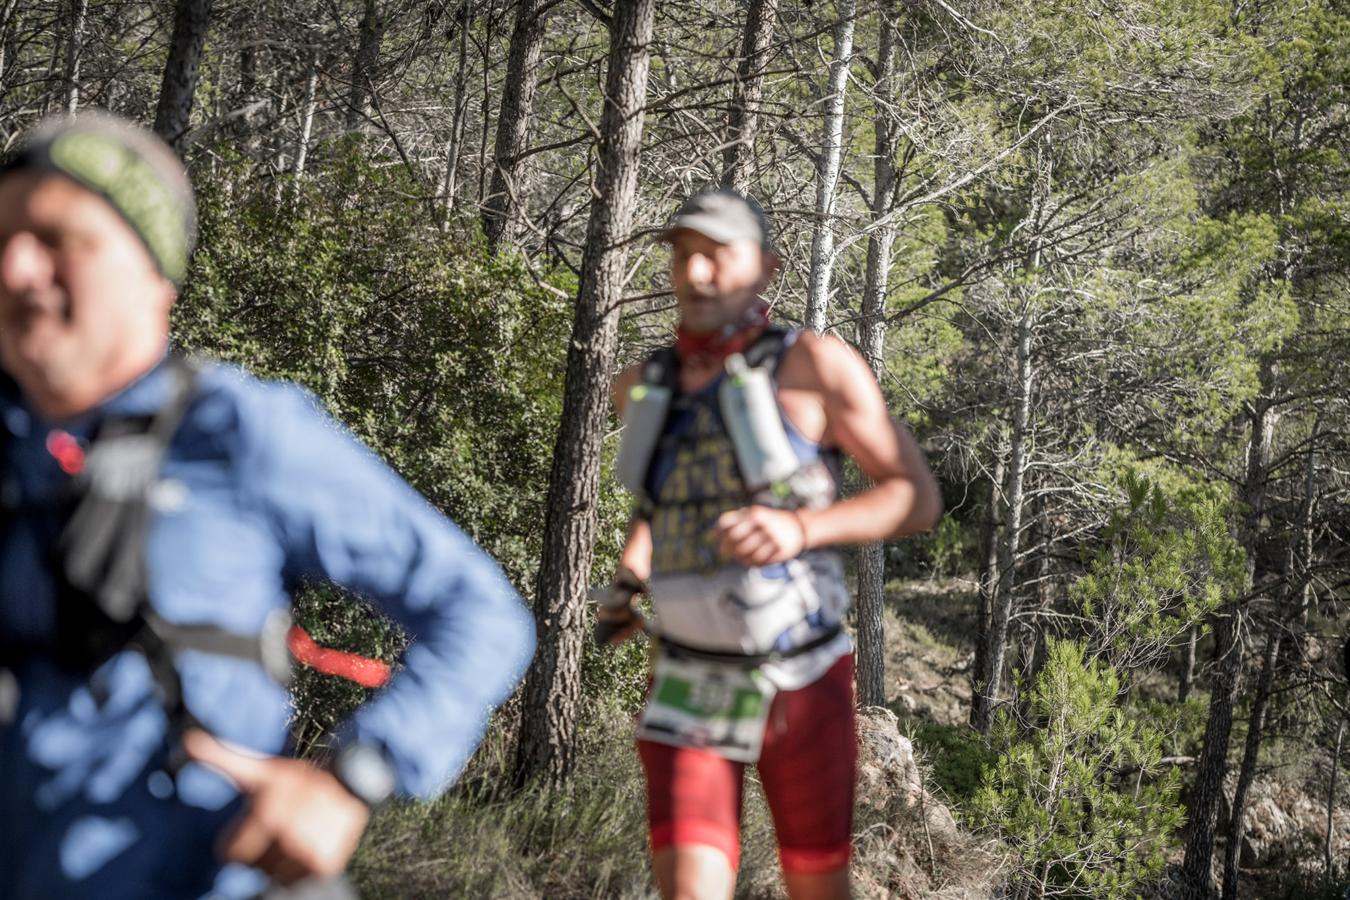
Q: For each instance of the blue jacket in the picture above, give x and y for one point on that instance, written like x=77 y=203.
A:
x=260 y=489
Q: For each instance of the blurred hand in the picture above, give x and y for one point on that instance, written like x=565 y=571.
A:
x=617 y=619
x=298 y=820
x=617 y=625
x=761 y=535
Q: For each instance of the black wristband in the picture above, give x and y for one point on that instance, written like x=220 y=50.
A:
x=363 y=771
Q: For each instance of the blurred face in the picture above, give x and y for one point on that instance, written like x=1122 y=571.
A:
x=716 y=283
x=83 y=309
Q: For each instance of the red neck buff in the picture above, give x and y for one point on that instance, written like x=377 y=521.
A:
x=715 y=346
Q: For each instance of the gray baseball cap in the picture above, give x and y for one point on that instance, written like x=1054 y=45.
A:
x=723 y=215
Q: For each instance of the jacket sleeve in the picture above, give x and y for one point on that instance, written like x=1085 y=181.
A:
x=342 y=514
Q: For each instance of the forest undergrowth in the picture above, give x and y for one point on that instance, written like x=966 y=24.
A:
x=587 y=839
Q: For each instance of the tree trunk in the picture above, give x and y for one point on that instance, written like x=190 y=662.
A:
x=485 y=104
x=1299 y=560
x=9 y=24
x=872 y=325
x=307 y=116
x=249 y=102
x=190 y=21
x=1187 y=680
x=1001 y=611
x=365 y=66
x=988 y=589
x=738 y=158
x=1257 y=473
x=504 y=206
x=827 y=172
x=870 y=675
x=553 y=685
x=871 y=671
x=455 y=145
x=1247 y=771
x=1213 y=762
x=1037 y=649
x=79 y=15
x=248 y=70
x=1295 y=598
x=1331 y=799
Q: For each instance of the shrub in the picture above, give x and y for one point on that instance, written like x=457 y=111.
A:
x=958 y=754
x=1077 y=792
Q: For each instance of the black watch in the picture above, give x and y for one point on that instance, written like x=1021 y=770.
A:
x=363 y=770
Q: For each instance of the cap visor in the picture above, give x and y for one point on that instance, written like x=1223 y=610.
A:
x=708 y=226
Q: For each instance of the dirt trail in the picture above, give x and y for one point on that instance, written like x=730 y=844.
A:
x=930 y=628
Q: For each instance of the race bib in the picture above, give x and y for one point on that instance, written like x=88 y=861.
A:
x=714 y=706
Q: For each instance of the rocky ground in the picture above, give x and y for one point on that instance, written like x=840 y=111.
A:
x=912 y=846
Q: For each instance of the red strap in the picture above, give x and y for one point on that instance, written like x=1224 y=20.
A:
x=371 y=673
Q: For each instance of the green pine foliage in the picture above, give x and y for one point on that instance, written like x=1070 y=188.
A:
x=444 y=359
x=961 y=758
x=1078 y=790
x=1077 y=793
x=1165 y=560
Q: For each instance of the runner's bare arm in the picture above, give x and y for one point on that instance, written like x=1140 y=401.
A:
x=837 y=399
x=905 y=498
x=622 y=385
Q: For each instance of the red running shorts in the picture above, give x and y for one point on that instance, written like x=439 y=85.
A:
x=808 y=767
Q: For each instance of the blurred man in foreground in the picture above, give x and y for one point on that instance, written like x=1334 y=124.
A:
x=733 y=440
x=156 y=513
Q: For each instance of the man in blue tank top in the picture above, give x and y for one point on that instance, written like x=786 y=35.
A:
x=143 y=741
x=735 y=541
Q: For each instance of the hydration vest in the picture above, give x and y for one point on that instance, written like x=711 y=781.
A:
x=101 y=583
x=770 y=469
x=728 y=613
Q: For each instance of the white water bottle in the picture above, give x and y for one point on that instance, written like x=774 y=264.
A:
x=644 y=416
x=755 y=424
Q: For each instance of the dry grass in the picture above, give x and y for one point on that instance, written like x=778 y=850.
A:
x=589 y=840
x=586 y=840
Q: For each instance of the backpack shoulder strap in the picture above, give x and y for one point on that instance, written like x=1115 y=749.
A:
x=769 y=348
x=662 y=367
x=102 y=581
x=644 y=426
x=102 y=546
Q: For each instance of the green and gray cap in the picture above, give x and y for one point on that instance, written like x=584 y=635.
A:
x=723 y=215
x=130 y=168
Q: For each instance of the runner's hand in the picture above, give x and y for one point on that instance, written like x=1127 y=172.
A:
x=617 y=618
x=760 y=535
x=617 y=625
x=298 y=821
